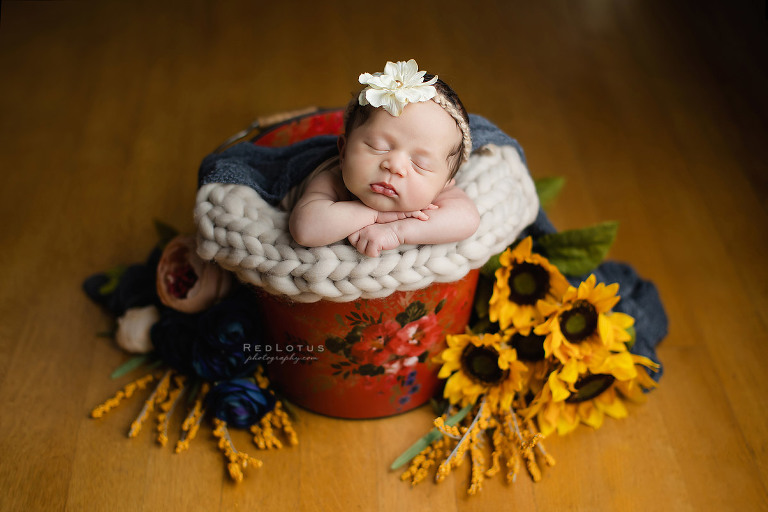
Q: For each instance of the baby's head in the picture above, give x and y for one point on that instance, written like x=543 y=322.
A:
x=406 y=136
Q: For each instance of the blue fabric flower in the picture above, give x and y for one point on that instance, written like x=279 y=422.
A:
x=239 y=402
x=133 y=288
x=175 y=337
x=229 y=331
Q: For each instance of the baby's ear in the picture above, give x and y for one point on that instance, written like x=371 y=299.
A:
x=451 y=182
x=341 y=143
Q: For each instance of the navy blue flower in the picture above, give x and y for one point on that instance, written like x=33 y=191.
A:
x=239 y=402
x=229 y=331
x=119 y=290
x=175 y=337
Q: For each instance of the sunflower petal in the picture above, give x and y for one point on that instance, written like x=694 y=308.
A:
x=559 y=391
x=590 y=415
x=605 y=328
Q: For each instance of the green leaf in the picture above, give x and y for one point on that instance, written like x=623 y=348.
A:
x=113 y=279
x=484 y=325
x=548 y=189
x=483 y=295
x=193 y=391
x=578 y=251
x=491 y=266
x=129 y=366
x=438 y=406
x=165 y=232
x=432 y=436
x=633 y=336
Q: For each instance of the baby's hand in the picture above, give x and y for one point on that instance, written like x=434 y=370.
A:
x=386 y=217
x=373 y=239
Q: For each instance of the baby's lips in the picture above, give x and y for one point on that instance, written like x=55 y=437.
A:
x=384 y=189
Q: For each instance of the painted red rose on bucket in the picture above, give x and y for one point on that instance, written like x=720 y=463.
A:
x=416 y=337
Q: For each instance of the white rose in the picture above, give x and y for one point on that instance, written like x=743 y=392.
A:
x=133 y=329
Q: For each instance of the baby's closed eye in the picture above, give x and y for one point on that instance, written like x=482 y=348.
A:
x=421 y=164
x=378 y=147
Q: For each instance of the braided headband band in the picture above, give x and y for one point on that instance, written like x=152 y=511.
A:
x=402 y=83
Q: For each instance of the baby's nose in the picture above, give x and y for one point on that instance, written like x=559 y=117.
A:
x=396 y=164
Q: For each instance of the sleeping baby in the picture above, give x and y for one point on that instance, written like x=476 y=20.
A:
x=405 y=137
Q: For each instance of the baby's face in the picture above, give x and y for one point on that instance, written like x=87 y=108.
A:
x=400 y=163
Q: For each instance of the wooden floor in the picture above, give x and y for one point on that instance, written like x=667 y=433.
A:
x=656 y=114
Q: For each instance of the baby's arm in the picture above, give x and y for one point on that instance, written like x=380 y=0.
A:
x=320 y=217
x=455 y=218
x=385 y=217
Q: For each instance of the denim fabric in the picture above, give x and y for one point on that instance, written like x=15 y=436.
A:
x=270 y=171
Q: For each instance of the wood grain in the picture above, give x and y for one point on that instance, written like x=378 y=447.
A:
x=655 y=113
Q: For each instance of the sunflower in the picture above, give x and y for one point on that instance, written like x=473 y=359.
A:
x=524 y=280
x=530 y=350
x=584 y=323
x=561 y=405
x=480 y=365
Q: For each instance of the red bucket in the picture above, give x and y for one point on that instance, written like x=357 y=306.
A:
x=364 y=359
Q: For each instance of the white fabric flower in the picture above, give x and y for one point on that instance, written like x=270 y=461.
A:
x=133 y=329
x=400 y=83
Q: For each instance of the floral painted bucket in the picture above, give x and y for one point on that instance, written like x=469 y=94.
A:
x=368 y=358
x=363 y=359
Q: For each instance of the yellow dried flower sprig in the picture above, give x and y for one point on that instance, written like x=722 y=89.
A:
x=447 y=430
x=127 y=392
x=264 y=433
x=498 y=447
x=456 y=457
x=191 y=423
x=157 y=396
x=478 y=462
x=528 y=438
x=238 y=460
x=167 y=407
x=512 y=441
x=422 y=463
x=165 y=398
x=549 y=460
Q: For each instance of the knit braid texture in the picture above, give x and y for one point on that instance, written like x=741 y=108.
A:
x=244 y=234
x=466 y=138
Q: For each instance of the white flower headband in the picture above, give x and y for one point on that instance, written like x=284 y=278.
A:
x=402 y=83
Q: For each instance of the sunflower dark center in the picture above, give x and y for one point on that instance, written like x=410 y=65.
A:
x=529 y=348
x=528 y=282
x=589 y=387
x=579 y=322
x=482 y=364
